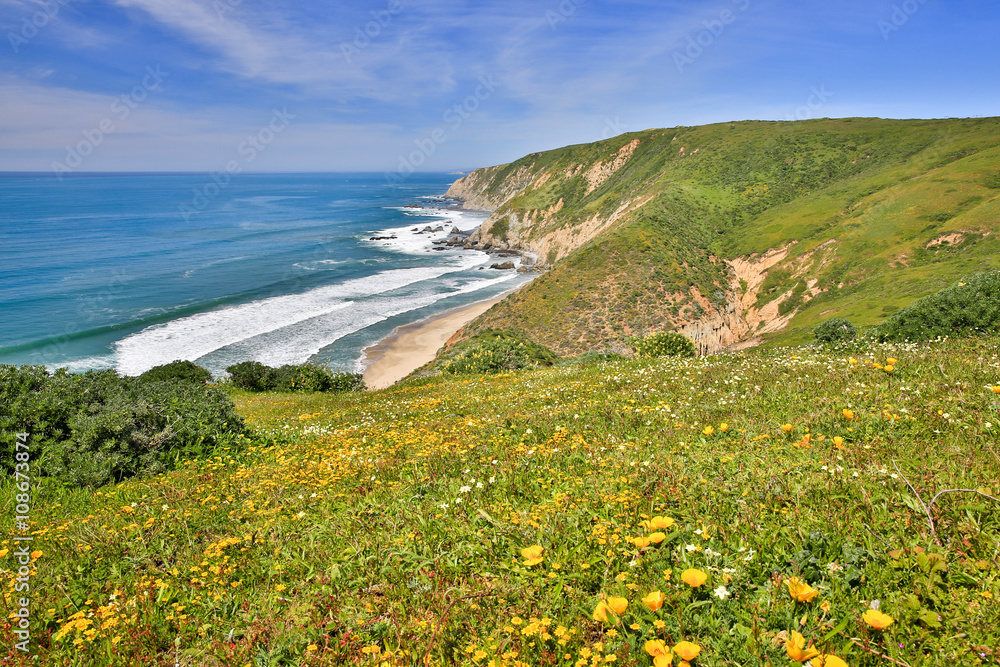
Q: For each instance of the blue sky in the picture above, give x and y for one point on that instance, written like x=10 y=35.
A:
x=441 y=85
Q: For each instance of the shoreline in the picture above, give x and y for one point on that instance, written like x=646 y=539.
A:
x=410 y=346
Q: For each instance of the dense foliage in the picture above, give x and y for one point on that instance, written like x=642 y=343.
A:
x=180 y=370
x=94 y=428
x=663 y=344
x=835 y=330
x=255 y=376
x=726 y=501
x=495 y=351
x=968 y=307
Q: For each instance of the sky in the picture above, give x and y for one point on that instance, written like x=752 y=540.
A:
x=398 y=86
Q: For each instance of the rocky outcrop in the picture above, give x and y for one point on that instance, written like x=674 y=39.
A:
x=489 y=188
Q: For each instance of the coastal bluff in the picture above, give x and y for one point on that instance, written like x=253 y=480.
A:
x=738 y=233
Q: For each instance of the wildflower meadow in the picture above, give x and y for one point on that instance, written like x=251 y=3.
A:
x=820 y=506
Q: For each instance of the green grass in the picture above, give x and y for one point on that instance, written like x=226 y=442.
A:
x=388 y=527
x=878 y=191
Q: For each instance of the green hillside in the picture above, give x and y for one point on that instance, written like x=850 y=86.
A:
x=872 y=214
x=484 y=520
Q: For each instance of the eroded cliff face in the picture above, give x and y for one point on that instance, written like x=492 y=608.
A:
x=487 y=189
x=544 y=236
x=741 y=323
x=539 y=233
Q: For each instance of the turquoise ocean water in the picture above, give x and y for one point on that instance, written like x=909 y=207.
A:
x=129 y=271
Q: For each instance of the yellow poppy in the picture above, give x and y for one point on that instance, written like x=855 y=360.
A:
x=800 y=590
x=877 y=619
x=787 y=428
x=641 y=542
x=654 y=600
x=723 y=427
x=687 y=650
x=838 y=442
x=601 y=612
x=693 y=578
x=657 y=523
x=662 y=657
x=709 y=430
x=618 y=605
x=796 y=648
x=848 y=414
x=891 y=361
x=827 y=660
x=657 y=537
x=889 y=368
x=532 y=555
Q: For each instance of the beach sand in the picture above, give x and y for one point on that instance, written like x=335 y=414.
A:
x=410 y=347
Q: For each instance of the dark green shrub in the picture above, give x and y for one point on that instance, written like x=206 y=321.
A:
x=180 y=371
x=495 y=351
x=664 y=344
x=309 y=377
x=255 y=376
x=969 y=306
x=835 y=330
x=94 y=428
x=252 y=376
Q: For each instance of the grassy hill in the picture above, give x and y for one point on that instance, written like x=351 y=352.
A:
x=484 y=521
x=733 y=230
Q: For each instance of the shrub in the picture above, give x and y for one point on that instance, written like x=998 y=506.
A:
x=664 y=344
x=94 y=428
x=252 y=376
x=255 y=376
x=495 y=351
x=180 y=371
x=967 y=307
x=835 y=330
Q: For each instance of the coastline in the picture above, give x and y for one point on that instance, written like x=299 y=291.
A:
x=412 y=345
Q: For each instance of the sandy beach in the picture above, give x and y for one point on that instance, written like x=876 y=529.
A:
x=410 y=347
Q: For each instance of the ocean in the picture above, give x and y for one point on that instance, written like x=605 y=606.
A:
x=129 y=271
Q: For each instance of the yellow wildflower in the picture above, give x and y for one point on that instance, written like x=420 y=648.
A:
x=796 y=648
x=800 y=590
x=693 y=578
x=654 y=600
x=877 y=619
x=532 y=555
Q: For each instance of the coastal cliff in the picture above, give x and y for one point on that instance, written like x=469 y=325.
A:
x=739 y=232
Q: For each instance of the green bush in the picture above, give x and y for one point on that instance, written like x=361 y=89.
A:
x=181 y=371
x=94 y=428
x=664 y=344
x=252 y=376
x=835 y=330
x=495 y=351
x=969 y=306
x=255 y=376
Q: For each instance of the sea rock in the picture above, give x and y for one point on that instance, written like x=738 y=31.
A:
x=506 y=265
x=522 y=269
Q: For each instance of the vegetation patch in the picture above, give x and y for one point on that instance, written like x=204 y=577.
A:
x=968 y=307
x=835 y=330
x=743 y=507
x=255 y=376
x=494 y=351
x=94 y=428
x=664 y=344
